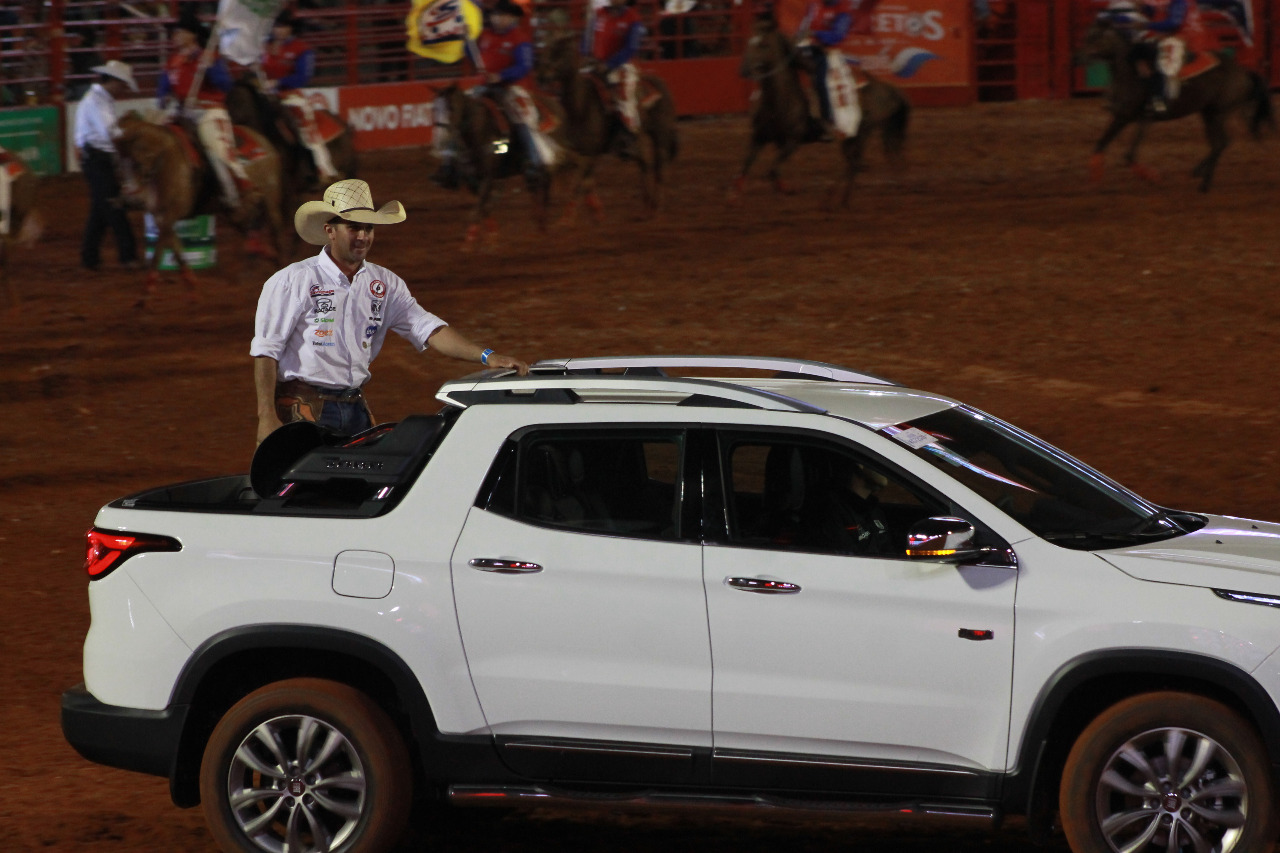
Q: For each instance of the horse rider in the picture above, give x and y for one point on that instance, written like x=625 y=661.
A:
x=94 y=136
x=206 y=110
x=1177 y=27
x=612 y=43
x=506 y=56
x=288 y=64
x=827 y=26
x=321 y=321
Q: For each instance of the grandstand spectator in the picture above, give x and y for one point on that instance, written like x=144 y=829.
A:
x=203 y=106
x=288 y=63
x=676 y=28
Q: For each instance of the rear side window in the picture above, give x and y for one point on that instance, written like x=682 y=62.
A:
x=622 y=482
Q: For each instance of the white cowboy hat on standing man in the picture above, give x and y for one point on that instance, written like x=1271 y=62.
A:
x=350 y=200
x=119 y=70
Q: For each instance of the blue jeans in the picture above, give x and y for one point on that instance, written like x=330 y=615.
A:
x=348 y=418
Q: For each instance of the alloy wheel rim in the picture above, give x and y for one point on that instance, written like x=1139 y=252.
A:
x=296 y=785
x=1173 y=790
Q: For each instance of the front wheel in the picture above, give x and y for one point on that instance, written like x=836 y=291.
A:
x=1169 y=772
x=303 y=766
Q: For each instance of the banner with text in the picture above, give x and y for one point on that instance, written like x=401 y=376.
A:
x=911 y=43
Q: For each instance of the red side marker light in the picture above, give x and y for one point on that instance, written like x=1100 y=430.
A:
x=106 y=550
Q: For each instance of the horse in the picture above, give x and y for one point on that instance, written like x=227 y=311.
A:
x=177 y=183
x=248 y=105
x=1215 y=94
x=781 y=115
x=479 y=135
x=594 y=127
x=25 y=221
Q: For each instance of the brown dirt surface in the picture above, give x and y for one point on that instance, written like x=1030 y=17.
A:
x=1131 y=324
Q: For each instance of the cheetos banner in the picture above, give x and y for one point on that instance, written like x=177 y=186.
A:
x=911 y=42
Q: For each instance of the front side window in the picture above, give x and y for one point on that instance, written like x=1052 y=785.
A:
x=1048 y=492
x=622 y=482
x=796 y=493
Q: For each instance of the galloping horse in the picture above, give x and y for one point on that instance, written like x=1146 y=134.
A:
x=179 y=183
x=781 y=115
x=1215 y=94
x=594 y=126
x=25 y=221
x=248 y=105
x=487 y=151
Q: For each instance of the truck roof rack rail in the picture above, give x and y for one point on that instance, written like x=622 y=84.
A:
x=507 y=388
x=657 y=365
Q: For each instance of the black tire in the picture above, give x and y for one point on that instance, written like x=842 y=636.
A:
x=1121 y=791
x=257 y=795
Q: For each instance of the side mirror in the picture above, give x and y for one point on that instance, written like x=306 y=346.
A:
x=948 y=540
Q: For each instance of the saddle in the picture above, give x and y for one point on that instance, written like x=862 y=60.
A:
x=548 y=122
x=648 y=92
x=1198 y=63
x=247 y=148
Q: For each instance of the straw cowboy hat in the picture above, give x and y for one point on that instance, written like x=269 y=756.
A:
x=119 y=70
x=350 y=200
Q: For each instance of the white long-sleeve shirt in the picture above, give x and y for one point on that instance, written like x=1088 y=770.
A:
x=325 y=330
x=96 y=121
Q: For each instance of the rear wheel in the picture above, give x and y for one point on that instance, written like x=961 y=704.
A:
x=306 y=765
x=1168 y=772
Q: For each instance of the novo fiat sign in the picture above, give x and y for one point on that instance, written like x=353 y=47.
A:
x=391 y=115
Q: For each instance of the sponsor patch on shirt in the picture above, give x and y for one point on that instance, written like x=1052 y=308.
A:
x=377 y=289
x=318 y=290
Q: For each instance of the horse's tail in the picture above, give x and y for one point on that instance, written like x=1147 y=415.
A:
x=895 y=127
x=1263 y=116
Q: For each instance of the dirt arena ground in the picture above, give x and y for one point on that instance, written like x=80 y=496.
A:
x=1133 y=324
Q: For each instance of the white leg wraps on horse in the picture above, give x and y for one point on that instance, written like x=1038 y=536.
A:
x=522 y=110
x=1172 y=54
x=214 y=128
x=306 y=121
x=842 y=94
x=625 y=80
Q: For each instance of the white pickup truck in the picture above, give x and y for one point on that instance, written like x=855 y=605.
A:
x=777 y=583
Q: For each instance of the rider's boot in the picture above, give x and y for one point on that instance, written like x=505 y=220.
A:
x=1156 y=103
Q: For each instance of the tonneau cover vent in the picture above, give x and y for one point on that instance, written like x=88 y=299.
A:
x=308 y=468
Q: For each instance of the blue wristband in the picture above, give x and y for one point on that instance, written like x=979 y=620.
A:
x=484 y=356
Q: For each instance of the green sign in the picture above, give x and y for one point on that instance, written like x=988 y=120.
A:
x=32 y=134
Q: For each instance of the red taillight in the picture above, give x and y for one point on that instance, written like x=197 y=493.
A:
x=104 y=551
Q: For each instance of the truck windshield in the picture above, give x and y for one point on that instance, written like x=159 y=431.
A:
x=1055 y=496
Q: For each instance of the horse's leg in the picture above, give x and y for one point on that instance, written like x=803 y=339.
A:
x=851 y=148
x=1098 y=160
x=1215 y=130
x=1146 y=173
x=656 y=161
x=785 y=150
x=480 y=213
x=740 y=183
x=648 y=196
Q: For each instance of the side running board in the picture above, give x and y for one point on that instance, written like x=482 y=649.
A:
x=508 y=796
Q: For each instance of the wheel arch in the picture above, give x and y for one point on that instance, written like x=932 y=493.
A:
x=232 y=664
x=1084 y=686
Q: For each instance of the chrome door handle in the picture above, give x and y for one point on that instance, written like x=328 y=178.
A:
x=763 y=586
x=504 y=567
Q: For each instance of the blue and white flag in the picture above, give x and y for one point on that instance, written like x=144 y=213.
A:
x=243 y=27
